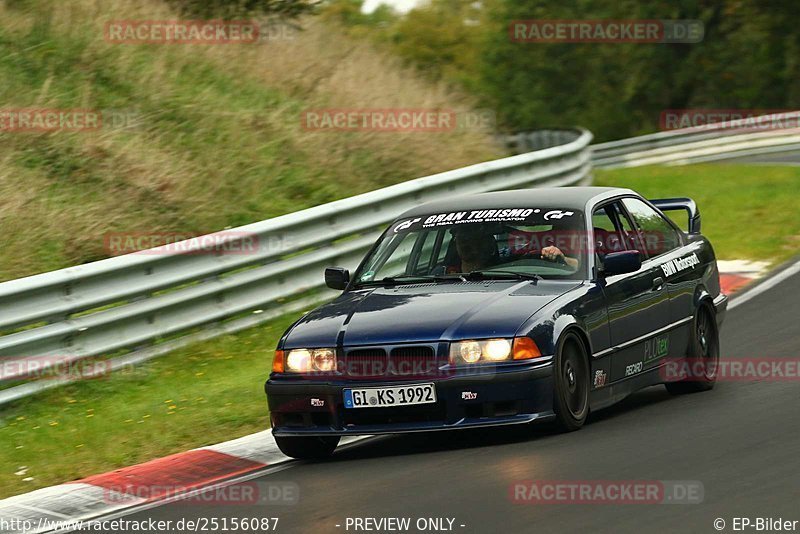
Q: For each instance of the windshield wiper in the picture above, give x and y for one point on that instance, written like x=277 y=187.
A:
x=410 y=279
x=496 y=273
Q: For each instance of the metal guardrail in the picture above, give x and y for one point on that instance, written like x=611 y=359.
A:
x=713 y=142
x=137 y=306
x=537 y=140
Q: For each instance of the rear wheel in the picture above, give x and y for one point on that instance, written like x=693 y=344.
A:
x=571 y=384
x=703 y=357
x=307 y=448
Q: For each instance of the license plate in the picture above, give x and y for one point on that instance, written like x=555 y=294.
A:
x=390 y=396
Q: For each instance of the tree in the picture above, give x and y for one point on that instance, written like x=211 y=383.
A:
x=284 y=9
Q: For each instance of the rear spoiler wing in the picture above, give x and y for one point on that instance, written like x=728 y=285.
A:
x=673 y=204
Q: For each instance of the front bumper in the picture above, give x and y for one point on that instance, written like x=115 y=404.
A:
x=721 y=308
x=503 y=396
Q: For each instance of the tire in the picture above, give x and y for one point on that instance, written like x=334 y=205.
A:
x=704 y=351
x=571 y=384
x=307 y=448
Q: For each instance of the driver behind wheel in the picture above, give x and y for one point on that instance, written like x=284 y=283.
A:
x=553 y=253
x=476 y=247
x=542 y=243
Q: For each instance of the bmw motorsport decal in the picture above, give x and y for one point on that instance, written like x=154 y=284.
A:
x=679 y=264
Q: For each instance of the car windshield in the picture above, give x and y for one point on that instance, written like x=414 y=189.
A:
x=503 y=243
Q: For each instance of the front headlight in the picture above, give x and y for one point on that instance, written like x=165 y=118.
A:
x=305 y=361
x=492 y=350
x=323 y=360
x=475 y=351
x=298 y=361
x=468 y=351
x=497 y=350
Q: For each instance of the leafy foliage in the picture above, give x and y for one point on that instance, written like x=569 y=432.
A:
x=285 y=9
x=749 y=59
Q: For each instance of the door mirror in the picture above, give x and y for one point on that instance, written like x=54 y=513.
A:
x=337 y=278
x=628 y=261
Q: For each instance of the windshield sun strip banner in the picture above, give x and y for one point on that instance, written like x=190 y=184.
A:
x=503 y=215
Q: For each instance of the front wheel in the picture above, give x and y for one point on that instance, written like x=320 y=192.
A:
x=703 y=355
x=571 y=381
x=307 y=448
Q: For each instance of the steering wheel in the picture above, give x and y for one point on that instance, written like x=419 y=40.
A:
x=538 y=256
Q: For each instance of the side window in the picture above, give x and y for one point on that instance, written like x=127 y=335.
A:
x=629 y=234
x=601 y=220
x=607 y=236
x=658 y=235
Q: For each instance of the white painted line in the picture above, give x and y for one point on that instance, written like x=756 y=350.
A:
x=742 y=267
x=79 y=501
x=765 y=286
x=116 y=514
x=280 y=464
x=65 y=502
x=41 y=512
x=261 y=447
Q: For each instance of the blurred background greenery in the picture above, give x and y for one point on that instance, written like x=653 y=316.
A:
x=748 y=59
x=217 y=140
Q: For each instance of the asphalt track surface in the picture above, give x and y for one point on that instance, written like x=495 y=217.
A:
x=740 y=440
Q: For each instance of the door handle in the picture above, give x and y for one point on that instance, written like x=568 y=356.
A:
x=658 y=283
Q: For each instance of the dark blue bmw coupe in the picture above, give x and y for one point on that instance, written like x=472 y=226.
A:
x=502 y=308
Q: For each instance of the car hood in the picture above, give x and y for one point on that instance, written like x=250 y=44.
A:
x=424 y=312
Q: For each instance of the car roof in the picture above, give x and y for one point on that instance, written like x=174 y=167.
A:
x=547 y=197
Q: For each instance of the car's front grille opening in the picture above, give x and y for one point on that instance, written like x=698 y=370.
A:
x=302 y=420
x=473 y=411
x=366 y=363
x=505 y=409
x=407 y=361
x=291 y=419
x=413 y=361
x=401 y=415
x=321 y=419
x=492 y=409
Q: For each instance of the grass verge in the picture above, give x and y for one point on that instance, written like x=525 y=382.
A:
x=199 y=395
x=205 y=137
x=748 y=211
